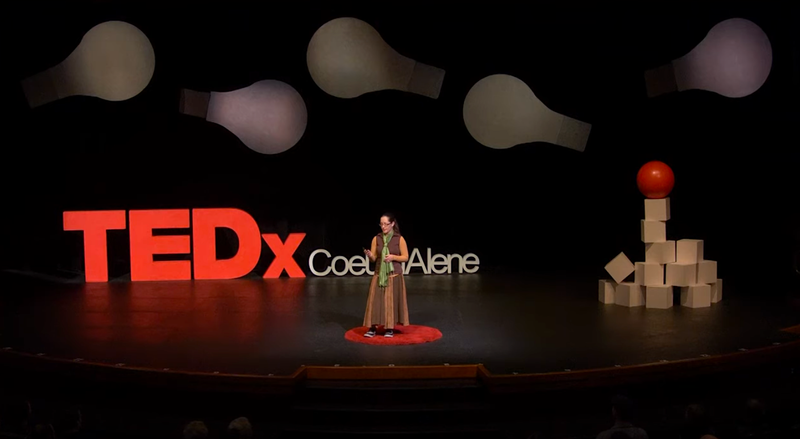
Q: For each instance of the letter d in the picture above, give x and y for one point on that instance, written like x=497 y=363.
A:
x=206 y=265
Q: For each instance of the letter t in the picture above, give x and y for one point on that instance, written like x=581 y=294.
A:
x=94 y=225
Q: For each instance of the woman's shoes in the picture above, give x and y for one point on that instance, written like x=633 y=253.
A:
x=374 y=329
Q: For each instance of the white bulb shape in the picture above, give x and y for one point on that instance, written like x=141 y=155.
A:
x=268 y=116
x=501 y=111
x=733 y=60
x=114 y=61
x=347 y=58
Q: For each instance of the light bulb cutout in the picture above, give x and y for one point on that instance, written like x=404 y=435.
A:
x=347 y=58
x=268 y=116
x=501 y=111
x=733 y=60
x=114 y=61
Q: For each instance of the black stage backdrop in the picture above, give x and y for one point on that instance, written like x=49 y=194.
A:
x=538 y=207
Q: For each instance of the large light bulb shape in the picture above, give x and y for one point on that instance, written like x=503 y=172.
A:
x=733 y=60
x=347 y=58
x=501 y=111
x=268 y=116
x=114 y=61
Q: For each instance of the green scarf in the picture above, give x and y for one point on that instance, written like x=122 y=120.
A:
x=386 y=267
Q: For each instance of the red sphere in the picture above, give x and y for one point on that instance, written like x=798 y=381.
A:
x=655 y=179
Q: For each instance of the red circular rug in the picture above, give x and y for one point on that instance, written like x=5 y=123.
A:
x=403 y=335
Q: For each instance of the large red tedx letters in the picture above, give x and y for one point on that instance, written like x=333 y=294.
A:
x=204 y=222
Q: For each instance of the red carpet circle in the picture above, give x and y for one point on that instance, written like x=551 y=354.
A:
x=403 y=335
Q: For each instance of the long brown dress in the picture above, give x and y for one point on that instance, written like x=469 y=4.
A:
x=387 y=305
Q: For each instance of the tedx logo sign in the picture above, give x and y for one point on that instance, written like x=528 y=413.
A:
x=201 y=244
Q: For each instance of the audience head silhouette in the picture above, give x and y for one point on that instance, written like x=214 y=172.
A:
x=698 y=423
x=43 y=431
x=16 y=418
x=755 y=412
x=195 y=430
x=240 y=428
x=622 y=408
x=69 y=422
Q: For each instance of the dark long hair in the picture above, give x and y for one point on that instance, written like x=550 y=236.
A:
x=392 y=219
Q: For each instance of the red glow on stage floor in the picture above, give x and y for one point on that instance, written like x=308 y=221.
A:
x=403 y=335
x=157 y=312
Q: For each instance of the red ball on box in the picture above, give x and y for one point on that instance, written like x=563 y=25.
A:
x=655 y=179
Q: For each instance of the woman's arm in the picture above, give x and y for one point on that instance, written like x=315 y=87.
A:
x=403 y=257
x=373 y=248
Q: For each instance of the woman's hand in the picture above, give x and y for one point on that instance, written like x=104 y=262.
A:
x=388 y=258
x=369 y=254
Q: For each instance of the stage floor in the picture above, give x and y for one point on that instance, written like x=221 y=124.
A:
x=254 y=326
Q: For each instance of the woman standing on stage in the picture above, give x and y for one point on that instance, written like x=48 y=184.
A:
x=386 y=303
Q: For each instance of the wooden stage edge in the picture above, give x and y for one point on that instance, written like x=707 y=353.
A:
x=792 y=329
x=39 y=365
